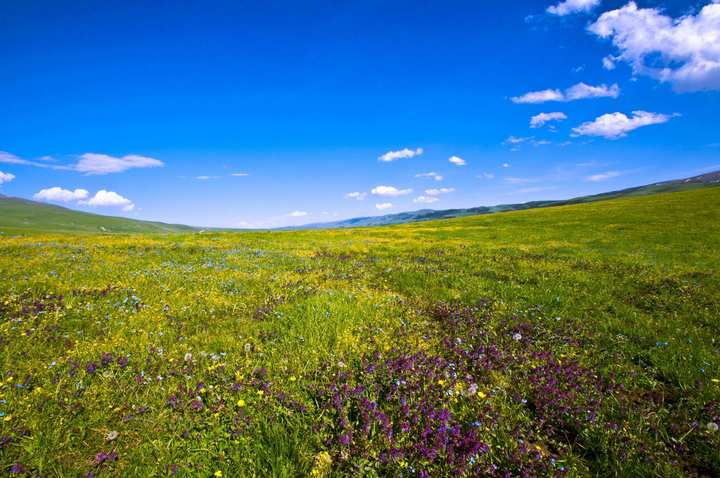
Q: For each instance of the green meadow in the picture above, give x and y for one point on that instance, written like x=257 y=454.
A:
x=577 y=340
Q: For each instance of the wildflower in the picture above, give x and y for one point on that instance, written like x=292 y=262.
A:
x=248 y=347
x=111 y=435
x=241 y=403
x=517 y=336
x=218 y=474
x=292 y=378
x=712 y=427
x=188 y=357
x=122 y=362
x=101 y=457
x=17 y=468
x=481 y=394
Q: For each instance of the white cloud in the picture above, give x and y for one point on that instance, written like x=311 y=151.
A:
x=425 y=199
x=400 y=154
x=457 y=160
x=540 y=119
x=298 y=214
x=384 y=205
x=617 y=125
x=105 y=198
x=505 y=165
x=608 y=62
x=576 y=92
x=683 y=51
x=58 y=194
x=516 y=140
x=239 y=175
x=486 y=176
x=6 y=177
x=572 y=6
x=9 y=158
x=431 y=174
x=206 y=178
x=356 y=195
x=439 y=191
x=603 y=176
x=390 y=191
x=92 y=163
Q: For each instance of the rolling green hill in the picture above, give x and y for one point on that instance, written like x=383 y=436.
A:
x=18 y=214
x=709 y=179
x=23 y=215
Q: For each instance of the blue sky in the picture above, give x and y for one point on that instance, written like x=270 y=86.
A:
x=147 y=109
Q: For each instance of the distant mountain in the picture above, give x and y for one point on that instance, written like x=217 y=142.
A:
x=24 y=215
x=702 y=180
x=18 y=214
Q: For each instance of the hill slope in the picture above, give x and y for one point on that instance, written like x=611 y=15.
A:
x=709 y=179
x=23 y=215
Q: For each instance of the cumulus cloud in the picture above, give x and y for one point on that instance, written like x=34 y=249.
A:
x=58 y=194
x=617 y=125
x=298 y=214
x=457 y=160
x=431 y=174
x=384 y=205
x=400 y=154
x=105 y=198
x=683 y=51
x=439 y=191
x=425 y=199
x=579 y=91
x=608 y=62
x=92 y=163
x=540 y=119
x=356 y=195
x=603 y=176
x=572 y=6
x=6 y=177
x=390 y=191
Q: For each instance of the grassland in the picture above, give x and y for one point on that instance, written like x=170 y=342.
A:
x=569 y=341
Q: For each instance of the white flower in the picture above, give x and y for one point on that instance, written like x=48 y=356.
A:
x=712 y=427
x=517 y=336
x=188 y=357
x=111 y=435
x=248 y=347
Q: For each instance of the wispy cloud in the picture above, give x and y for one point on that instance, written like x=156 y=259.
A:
x=540 y=119
x=94 y=163
x=576 y=92
x=400 y=154
x=240 y=175
x=439 y=191
x=431 y=174
x=569 y=7
x=358 y=196
x=298 y=214
x=603 y=176
x=425 y=199
x=617 y=125
x=457 y=160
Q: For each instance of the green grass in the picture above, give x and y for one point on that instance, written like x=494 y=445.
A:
x=19 y=215
x=615 y=303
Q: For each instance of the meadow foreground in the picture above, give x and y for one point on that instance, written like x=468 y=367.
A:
x=569 y=341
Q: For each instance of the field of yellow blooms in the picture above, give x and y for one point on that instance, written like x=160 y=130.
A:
x=568 y=341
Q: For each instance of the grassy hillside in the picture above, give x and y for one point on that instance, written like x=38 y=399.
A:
x=578 y=340
x=695 y=182
x=18 y=215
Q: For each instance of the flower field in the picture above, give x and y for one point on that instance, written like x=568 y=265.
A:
x=569 y=341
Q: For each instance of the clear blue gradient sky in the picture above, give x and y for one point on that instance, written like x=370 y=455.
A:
x=170 y=99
